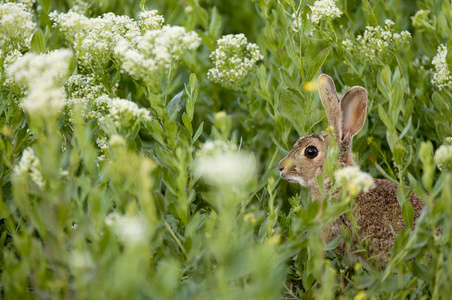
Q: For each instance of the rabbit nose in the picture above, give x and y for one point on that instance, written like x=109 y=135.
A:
x=280 y=166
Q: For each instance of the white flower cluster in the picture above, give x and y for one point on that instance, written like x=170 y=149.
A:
x=16 y=27
x=354 y=181
x=123 y=113
x=95 y=38
x=216 y=146
x=81 y=259
x=117 y=141
x=324 y=9
x=376 y=41
x=143 y=48
x=421 y=61
x=150 y=20
x=44 y=76
x=8 y=60
x=148 y=56
x=442 y=77
x=80 y=6
x=443 y=155
x=102 y=143
x=233 y=58
x=220 y=164
x=121 y=110
x=131 y=230
x=30 y=164
x=82 y=89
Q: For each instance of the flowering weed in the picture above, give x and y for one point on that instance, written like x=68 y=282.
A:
x=139 y=144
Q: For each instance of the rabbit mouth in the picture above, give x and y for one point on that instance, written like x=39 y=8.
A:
x=294 y=179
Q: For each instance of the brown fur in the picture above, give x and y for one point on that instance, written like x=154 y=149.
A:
x=377 y=212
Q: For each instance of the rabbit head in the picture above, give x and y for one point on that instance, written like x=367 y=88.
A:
x=306 y=159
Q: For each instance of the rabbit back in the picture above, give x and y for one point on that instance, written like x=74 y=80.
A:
x=376 y=213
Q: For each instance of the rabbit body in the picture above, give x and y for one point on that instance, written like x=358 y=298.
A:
x=377 y=212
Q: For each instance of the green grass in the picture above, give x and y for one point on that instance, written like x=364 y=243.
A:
x=135 y=207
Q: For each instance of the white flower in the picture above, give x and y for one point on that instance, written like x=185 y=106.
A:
x=16 y=26
x=234 y=58
x=80 y=6
x=131 y=230
x=216 y=146
x=102 y=143
x=96 y=38
x=117 y=140
x=81 y=260
x=389 y=22
x=324 y=9
x=150 y=20
x=124 y=110
x=149 y=56
x=353 y=180
x=376 y=41
x=82 y=89
x=443 y=156
x=221 y=165
x=44 y=76
x=30 y=164
x=442 y=77
x=123 y=113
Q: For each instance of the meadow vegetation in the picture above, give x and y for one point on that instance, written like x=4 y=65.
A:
x=139 y=144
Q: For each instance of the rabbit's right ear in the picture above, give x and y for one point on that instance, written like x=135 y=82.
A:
x=330 y=101
x=354 y=107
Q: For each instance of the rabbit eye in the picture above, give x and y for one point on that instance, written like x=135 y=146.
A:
x=311 y=152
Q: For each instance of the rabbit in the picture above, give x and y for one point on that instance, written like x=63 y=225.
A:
x=377 y=211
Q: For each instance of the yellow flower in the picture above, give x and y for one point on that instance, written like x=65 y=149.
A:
x=311 y=86
x=360 y=296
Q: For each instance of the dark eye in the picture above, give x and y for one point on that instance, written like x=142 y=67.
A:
x=311 y=152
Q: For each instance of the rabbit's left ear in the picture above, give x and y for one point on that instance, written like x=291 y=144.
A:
x=330 y=101
x=354 y=108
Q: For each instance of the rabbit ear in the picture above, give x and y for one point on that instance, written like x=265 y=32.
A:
x=330 y=102
x=354 y=107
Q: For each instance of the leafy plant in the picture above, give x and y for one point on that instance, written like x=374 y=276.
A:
x=126 y=171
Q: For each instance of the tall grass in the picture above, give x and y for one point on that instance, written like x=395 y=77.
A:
x=152 y=180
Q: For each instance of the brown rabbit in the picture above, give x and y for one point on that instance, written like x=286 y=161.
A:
x=375 y=211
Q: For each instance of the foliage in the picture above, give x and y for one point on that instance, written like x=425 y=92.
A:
x=127 y=172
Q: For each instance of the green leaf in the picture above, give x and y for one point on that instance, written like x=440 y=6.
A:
x=203 y=19
x=38 y=43
x=441 y=106
x=292 y=111
x=385 y=118
x=198 y=132
x=395 y=104
x=287 y=79
x=174 y=106
x=408 y=213
x=449 y=58
x=384 y=82
x=334 y=243
x=294 y=53
x=352 y=79
x=385 y=174
x=215 y=23
x=187 y=123
x=399 y=151
x=317 y=63
x=314 y=118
